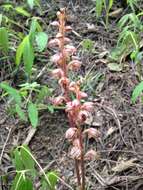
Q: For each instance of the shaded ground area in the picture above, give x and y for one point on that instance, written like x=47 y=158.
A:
x=119 y=162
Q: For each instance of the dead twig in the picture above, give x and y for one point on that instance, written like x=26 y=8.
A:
x=31 y=133
x=5 y=144
x=112 y=112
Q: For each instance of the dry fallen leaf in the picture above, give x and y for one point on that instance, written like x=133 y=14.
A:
x=116 y=13
x=123 y=165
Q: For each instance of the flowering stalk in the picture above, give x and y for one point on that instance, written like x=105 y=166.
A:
x=77 y=111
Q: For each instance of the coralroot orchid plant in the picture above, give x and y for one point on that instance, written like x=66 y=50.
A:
x=76 y=110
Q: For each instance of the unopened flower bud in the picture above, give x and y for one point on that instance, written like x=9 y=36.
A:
x=92 y=133
x=90 y=155
x=57 y=73
x=75 y=153
x=71 y=133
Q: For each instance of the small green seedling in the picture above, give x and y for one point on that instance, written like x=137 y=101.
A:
x=26 y=171
x=23 y=103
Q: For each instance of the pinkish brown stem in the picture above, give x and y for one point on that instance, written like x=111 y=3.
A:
x=82 y=161
x=77 y=172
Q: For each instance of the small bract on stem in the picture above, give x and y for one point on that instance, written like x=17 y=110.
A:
x=77 y=112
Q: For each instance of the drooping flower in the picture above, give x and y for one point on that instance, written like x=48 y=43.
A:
x=76 y=143
x=67 y=40
x=88 y=106
x=59 y=35
x=71 y=133
x=58 y=100
x=68 y=28
x=64 y=82
x=92 y=133
x=75 y=153
x=73 y=86
x=57 y=58
x=73 y=105
x=74 y=65
x=90 y=155
x=82 y=116
x=81 y=95
x=53 y=43
x=70 y=50
x=54 y=23
x=57 y=73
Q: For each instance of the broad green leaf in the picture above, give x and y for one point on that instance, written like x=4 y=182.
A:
x=33 y=28
x=17 y=181
x=17 y=160
x=20 y=112
x=39 y=28
x=138 y=57
x=22 y=183
x=133 y=38
x=26 y=184
x=22 y=11
x=41 y=40
x=129 y=38
x=43 y=185
x=19 y=51
x=53 y=178
x=27 y=159
x=134 y=55
x=11 y=91
x=4 y=39
x=123 y=21
x=30 y=3
x=131 y=20
x=28 y=55
x=137 y=92
x=33 y=114
x=114 y=67
x=99 y=6
x=110 y=4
